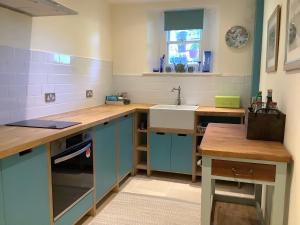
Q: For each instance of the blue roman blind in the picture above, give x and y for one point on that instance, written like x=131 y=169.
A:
x=184 y=19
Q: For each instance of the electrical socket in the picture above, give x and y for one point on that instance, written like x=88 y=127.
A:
x=89 y=93
x=49 y=97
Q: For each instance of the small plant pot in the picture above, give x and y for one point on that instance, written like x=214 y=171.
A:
x=180 y=68
x=191 y=69
x=168 y=69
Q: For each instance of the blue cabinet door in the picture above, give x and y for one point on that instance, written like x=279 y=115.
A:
x=1 y=200
x=181 y=153
x=126 y=145
x=25 y=188
x=160 y=151
x=105 y=156
x=77 y=211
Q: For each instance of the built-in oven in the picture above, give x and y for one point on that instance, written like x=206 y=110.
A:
x=72 y=171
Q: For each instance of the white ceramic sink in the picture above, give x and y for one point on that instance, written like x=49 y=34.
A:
x=172 y=116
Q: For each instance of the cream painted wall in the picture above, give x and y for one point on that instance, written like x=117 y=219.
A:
x=15 y=29
x=286 y=91
x=136 y=45
x=87 y=34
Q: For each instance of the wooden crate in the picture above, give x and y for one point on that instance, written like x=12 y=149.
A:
x=265 y=126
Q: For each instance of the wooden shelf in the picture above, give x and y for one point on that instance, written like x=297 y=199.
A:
x=141 y=166
x=142 y=148
x=142 y=131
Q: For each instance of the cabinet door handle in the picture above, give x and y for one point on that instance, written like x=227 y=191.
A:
x=160 y=133
x=182 y=135
x=105 y=123
x=126 y=116
x=26 y=152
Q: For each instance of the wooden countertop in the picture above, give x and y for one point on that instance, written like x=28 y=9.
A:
x=16 y=139
x=213 y=111
x=229 y=140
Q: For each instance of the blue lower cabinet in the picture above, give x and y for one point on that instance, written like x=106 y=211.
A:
x=25 y=188
x=105 y=156
x=77 y=211
x=126 y=145
x=160 y=151
x=2 y=220
x=181 y=153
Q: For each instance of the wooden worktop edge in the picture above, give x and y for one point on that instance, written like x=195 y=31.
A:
x=63 y=133
x=284 y=159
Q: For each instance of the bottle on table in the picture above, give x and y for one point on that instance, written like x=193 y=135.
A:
x=269 y=99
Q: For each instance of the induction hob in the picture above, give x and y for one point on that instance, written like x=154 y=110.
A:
x=49 y=124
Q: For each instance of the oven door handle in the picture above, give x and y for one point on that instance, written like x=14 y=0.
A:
x=74 y=154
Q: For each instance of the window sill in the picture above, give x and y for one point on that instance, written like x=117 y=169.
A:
x=174 y=74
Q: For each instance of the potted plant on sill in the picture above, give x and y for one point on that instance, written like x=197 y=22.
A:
x=179 y=63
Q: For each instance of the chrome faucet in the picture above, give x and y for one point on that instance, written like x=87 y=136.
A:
x=179 y=94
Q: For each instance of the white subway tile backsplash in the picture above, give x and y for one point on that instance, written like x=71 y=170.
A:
x=3 y=91
x=195 y=90
x=17 y=91
x=59 y=79
x=34 y=90
x=25 y=77
x=4 y=116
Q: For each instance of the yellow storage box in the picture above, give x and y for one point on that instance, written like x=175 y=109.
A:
x=228 y=102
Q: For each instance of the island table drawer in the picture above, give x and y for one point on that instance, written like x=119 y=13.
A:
x=244 y=170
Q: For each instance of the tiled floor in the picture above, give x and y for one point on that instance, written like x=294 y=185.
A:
x=174 y=187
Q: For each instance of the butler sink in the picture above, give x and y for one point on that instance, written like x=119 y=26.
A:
x=173 y=116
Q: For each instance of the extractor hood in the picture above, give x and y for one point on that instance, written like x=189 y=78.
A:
x=37 y=7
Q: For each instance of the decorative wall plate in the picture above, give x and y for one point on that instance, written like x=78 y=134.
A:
x=237 y=37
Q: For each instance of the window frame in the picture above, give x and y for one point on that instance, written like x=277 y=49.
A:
x=167 y=42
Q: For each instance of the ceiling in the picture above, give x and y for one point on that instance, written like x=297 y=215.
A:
x=137 y=1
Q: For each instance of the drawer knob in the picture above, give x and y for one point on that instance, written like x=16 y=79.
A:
x=237 y=174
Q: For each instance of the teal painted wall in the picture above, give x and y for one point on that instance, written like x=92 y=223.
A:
x=257 y=46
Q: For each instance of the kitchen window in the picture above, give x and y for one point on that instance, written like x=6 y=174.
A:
x=183 y=36
x=184 y=46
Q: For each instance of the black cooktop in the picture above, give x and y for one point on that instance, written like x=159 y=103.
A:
x=49 y=124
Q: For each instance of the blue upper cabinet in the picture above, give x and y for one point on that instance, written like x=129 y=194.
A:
x=105 y=156
x=126 y=145
x=1 y=200
x=181 y=153
x=25 y=188
x=160 y=151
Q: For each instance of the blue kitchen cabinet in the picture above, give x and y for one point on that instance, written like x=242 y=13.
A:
x=77 y=211
x=160 y=151
x=1 y=200
x=105 y=156
x=25 y=188
x=126 y=145
x=181 y=153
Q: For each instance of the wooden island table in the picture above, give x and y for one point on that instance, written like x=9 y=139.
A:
x=228 y=155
